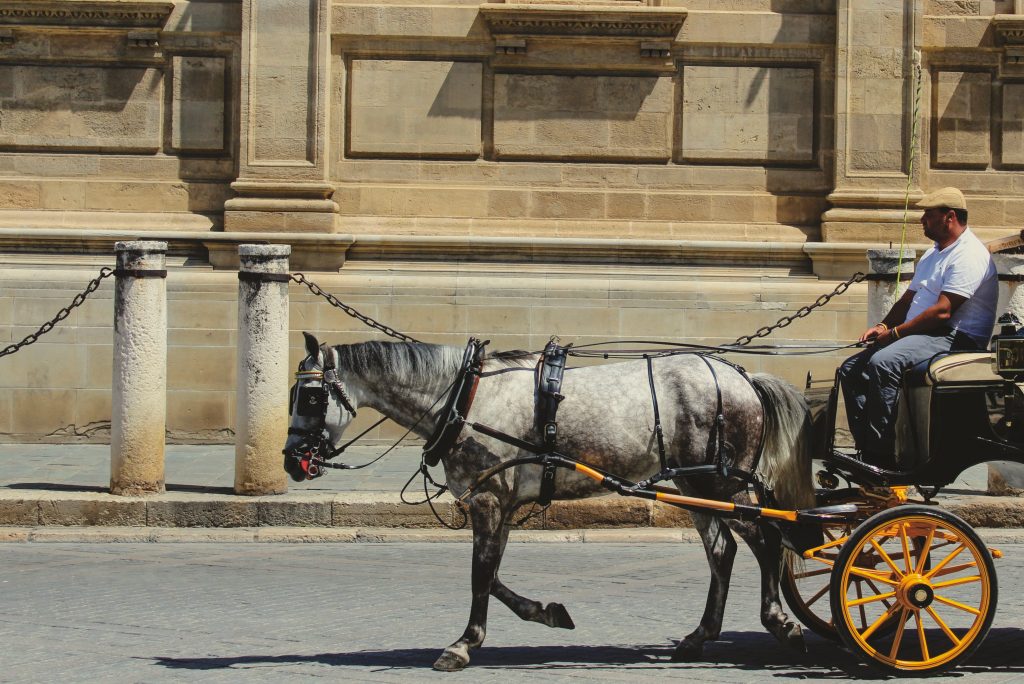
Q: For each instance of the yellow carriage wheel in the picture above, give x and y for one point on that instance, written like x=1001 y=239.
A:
x=930 y=609
x=806 y=581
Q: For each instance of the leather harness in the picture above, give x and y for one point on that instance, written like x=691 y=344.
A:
x=550 y=369
x=456 y=407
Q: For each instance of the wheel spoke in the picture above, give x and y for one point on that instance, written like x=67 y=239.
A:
x=920 y=636
x=905 y=543
x=945 y=561
x=860 y=607
x=878 y=623
x=957 y=568
x=821 y=592
x=922 y=559
x=899 y=634
x=812 y=573
x=873 y=575
x=886 y=558
x=943 y=625
x=956 y=582
x=957 y=604
x=878 y=591
x=870 y=599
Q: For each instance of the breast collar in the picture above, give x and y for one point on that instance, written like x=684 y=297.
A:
x=456 y=407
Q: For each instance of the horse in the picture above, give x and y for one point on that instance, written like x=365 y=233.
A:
x=607 y=419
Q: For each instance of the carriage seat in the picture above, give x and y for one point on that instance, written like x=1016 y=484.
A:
x=952 y=367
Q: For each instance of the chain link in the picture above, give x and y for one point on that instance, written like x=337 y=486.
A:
x=335 y=302
x=61 y=315
x=801 y=312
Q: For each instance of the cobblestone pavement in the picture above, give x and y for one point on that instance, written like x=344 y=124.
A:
x=382 y=612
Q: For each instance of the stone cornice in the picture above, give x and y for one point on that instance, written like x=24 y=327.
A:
x=85 y=13
x=1009 y=28
x=578 y=20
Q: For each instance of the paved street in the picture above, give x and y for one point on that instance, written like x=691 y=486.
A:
x=382 y=612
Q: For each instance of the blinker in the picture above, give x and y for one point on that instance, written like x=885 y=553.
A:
x=311 y=401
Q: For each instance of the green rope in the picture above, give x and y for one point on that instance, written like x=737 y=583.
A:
x=910 y=169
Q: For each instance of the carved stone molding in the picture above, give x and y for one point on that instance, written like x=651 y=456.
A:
x=632 y=21
x=1009 y=30
x=85 y=13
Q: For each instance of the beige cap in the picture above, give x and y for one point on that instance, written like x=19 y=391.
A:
x=949 y=198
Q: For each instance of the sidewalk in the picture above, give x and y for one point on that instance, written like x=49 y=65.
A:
x=47 y=487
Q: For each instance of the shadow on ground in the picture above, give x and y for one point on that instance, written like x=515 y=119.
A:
x=735 y=650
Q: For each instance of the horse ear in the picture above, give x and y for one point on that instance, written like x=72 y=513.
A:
x=329 y=362
x=312 y=346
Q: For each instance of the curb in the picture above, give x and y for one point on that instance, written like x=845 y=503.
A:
x=372 y=535
x=42 y=509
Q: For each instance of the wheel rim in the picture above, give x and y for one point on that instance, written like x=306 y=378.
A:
x=925 y=577
x=809 y=580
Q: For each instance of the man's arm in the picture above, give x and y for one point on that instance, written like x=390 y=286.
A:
x=932 y=318
x=897 y=314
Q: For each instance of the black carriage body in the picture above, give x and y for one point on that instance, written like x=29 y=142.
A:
x=954 y=412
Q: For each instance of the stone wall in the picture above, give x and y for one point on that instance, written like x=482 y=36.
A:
x=607 y=169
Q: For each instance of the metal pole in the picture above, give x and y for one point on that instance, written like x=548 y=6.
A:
x=139 y=389
x=262 y=399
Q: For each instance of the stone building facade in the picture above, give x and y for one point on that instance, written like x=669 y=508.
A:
x=608 y=169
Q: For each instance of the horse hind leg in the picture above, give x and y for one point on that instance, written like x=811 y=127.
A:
x=720 y=548
x=766 y=543
x=487 y=516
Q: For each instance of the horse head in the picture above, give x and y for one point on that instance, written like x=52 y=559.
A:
x=320 y=410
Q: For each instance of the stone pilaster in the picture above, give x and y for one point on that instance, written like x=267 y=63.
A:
x=877 y=58
x=282 y=183
x=139 y=389
x=262 y=399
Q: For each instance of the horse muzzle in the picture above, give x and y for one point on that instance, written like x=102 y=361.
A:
x=304 y=462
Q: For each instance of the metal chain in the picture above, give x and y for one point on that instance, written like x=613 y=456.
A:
x=334 y=301
x=61 y=315
x=801 y=312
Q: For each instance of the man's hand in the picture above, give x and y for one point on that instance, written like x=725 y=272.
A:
x=874 y=332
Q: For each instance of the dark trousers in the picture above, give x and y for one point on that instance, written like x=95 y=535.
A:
x=871 y=385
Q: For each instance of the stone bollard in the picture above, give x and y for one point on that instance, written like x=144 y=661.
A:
x=262 y=398
x=139 y=390
x=882 y=286
x=1006 y=477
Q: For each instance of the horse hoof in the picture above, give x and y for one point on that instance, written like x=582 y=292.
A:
x=450 y=662
x=558 y=616
x=793 y=637
x=687 y=652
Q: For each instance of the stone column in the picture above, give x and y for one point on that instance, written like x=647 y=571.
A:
x=1011 y=296
x=282 y=183
x=876 y=62
x=883 y=288
x=262 y=398
x=139 y=390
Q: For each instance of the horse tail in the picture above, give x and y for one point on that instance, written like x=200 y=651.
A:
x=788 y=438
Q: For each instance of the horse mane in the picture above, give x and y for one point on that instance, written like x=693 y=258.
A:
x=414 y=358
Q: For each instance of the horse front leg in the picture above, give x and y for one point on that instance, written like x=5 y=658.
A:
x=487 y=516
x=720 y=548
x=766 y=543
x=552 y=615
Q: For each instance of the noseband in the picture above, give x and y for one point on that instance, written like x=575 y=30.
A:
x=315 y=448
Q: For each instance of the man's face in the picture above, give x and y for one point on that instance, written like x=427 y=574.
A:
x=935 y=222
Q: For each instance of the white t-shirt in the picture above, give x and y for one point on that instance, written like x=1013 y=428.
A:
x=964 y=268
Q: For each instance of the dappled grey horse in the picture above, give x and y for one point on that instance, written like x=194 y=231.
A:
x=606 y=420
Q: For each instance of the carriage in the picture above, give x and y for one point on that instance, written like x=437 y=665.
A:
x=874 y=563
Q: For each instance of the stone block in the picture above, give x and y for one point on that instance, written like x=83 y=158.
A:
x=95 y=509
x=963 y=119
x=198 y=101
x=190 y=311
x=377 y=510
x=603 y=511
x=169 y=510
x=748 y=114
x=1013 y=123
x=415 y=108
x=664 y=515
x=283 y=510
x=200 y=368
x=114 y=108
x=42 y=411
x=15 y=510
x=197 y=412
x=582 y=117
x=92 y=411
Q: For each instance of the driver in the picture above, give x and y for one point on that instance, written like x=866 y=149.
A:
x=950 y=305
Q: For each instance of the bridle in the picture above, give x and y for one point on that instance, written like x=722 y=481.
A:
x=315 y=449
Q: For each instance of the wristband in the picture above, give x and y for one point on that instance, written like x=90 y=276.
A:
x=895 y=333
x=882 y=325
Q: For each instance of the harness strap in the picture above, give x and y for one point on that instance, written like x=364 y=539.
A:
x=457 y=405
x=550 y=370
x=716 y=438
x=658 y=432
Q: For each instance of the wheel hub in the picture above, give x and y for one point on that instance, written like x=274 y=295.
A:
x=915 y=592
